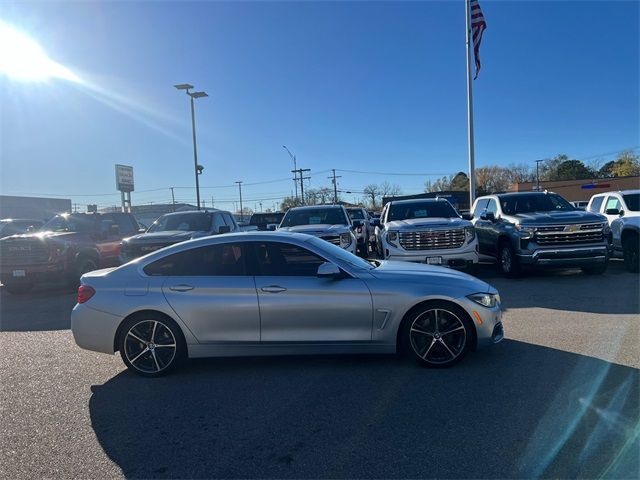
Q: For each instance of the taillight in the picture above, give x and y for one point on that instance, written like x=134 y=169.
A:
x=85 y=292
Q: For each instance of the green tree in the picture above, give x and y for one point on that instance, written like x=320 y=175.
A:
x=627 y=164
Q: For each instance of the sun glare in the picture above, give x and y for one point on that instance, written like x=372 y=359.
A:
x=22 y=58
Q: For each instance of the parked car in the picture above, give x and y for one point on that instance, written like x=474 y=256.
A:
x=297 y=295
x=266 y=221
x=329 y=222
x=580 y=205
x=66 y=247
x=616 y=204
x=15 y=226
x=426 y=230
x=626 y=241
x=173 y=228
x=540 y=229
x=364 y=233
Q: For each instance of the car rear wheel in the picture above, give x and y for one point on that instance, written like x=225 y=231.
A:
x=630 y=248
x=437 y=335
x=508 y=261
x=151 y=345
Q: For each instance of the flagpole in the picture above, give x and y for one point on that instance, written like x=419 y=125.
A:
x=472 y=165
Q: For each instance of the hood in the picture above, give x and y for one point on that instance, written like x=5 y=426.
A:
x=436 y=222
x=169 y=236
x=317 y=230
x=43 y=236
x=419 y=272
x=542 y=218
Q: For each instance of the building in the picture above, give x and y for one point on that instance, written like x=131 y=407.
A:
x=33 y=208
x=576 y=190
x=147 y=214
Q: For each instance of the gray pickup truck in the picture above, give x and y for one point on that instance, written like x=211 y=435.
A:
x=540 y=229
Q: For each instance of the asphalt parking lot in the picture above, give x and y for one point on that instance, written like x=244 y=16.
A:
x=559 y=397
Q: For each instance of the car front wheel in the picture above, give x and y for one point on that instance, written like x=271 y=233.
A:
x=151 y=345
x=437 y=335
x=630 y=248
x=508 y=260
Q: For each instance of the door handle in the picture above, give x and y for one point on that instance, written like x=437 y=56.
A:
x=273 y=289
x=181 y=288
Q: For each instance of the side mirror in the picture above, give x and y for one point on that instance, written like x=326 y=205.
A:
x=141 y=230
x=271 y=228
x=329 y=270
x=612 y=211
x=357 y=223
x=224 y=229
x=467 y=216
x=490 y=216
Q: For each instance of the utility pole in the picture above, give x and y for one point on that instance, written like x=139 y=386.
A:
x=335 y=185
x=538 y=175
x=302 y=179
x=295 y=168
x=239 y=182
x=260 y=207
x=173 y=201
x=212 y=201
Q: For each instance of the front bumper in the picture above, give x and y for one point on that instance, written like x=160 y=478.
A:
x=567 y=257
x=462 y=257
x=46 y=272
x=487 y=321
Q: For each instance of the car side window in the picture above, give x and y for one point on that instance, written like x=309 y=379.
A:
x=125 y=224
x=218 y=222
x=285 y=260
x=613 y=202
x=229 y=221
x=492 y=206
x=596 y=203
x=227 y=259
x=480 y=207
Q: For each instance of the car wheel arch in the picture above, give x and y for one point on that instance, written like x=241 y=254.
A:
x=146 y=313
x=629 y=234
x=409 y=312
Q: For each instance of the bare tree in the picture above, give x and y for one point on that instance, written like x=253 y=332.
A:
x=372 y=191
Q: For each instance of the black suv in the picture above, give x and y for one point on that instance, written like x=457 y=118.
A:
x=540 y=229
x=173 y=228
x=266 y=221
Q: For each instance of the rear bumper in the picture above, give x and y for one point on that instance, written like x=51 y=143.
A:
x=93 y=329
x=575 y=256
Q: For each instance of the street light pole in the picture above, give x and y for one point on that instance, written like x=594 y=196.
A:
x=239 y=182
x=295 y=168
x=197 y=168
x=538 y=175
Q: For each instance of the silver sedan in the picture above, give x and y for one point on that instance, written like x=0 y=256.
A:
x=276 y=294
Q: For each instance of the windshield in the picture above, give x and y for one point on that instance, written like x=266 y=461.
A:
x=633 y=201
x=356 y=213
x=314 y=216
x=544 y=202
x=340 y=254
x=70 y=223
x=262 y=218
x=187 y=222
x=430 y=209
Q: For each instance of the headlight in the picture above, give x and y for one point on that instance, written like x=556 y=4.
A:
x=345 y=239
x=488 y=300
x=526 y=232
x=392 y=237
x=469 y=234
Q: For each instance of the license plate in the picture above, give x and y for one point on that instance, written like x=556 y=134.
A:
x=434 y=260
x=19 y=273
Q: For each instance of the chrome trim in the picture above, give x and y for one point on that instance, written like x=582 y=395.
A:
x=537 y=253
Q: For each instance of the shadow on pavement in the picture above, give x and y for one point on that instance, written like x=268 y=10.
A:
x=516 y=410
x=47 y=308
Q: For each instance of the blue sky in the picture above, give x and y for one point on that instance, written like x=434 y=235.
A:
x=354 y=86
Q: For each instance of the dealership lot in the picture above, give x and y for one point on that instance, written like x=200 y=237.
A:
x=558 y=397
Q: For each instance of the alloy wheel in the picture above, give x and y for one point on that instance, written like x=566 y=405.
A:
x=506 y=260
x=438 y=336
x=150 y=346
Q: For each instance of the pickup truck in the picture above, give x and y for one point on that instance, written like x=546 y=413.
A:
x=428 y=231
x=540 y=229
x=329 y=222
x=172 y=228
x=363 y=233
x=65 y=248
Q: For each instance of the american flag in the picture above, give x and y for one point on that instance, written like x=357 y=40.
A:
x=478 y=26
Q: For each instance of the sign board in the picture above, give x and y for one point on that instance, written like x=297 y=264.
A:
x=124 y=178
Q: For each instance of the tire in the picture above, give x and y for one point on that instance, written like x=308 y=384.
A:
x=439 y=347
x=151 y=345
x=508 y=261
x=18 y=288
x=630 y=251
x=84 y=265
x=597 y=269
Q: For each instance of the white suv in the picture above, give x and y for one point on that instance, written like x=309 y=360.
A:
x=427 y=230
x=623 y=203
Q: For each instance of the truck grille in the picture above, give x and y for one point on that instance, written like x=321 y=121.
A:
x=432 y=239
x=23 y=252
x=568 y=234
x=335 y=239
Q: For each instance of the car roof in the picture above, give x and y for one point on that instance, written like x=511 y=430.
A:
x=621 y=192
x=192 y=212
x=415 y=200
x=315 y=207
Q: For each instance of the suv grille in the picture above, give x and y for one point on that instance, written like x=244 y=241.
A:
x=23 y=252
x=335 y=239
x=568 y=234
x=432 y=239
